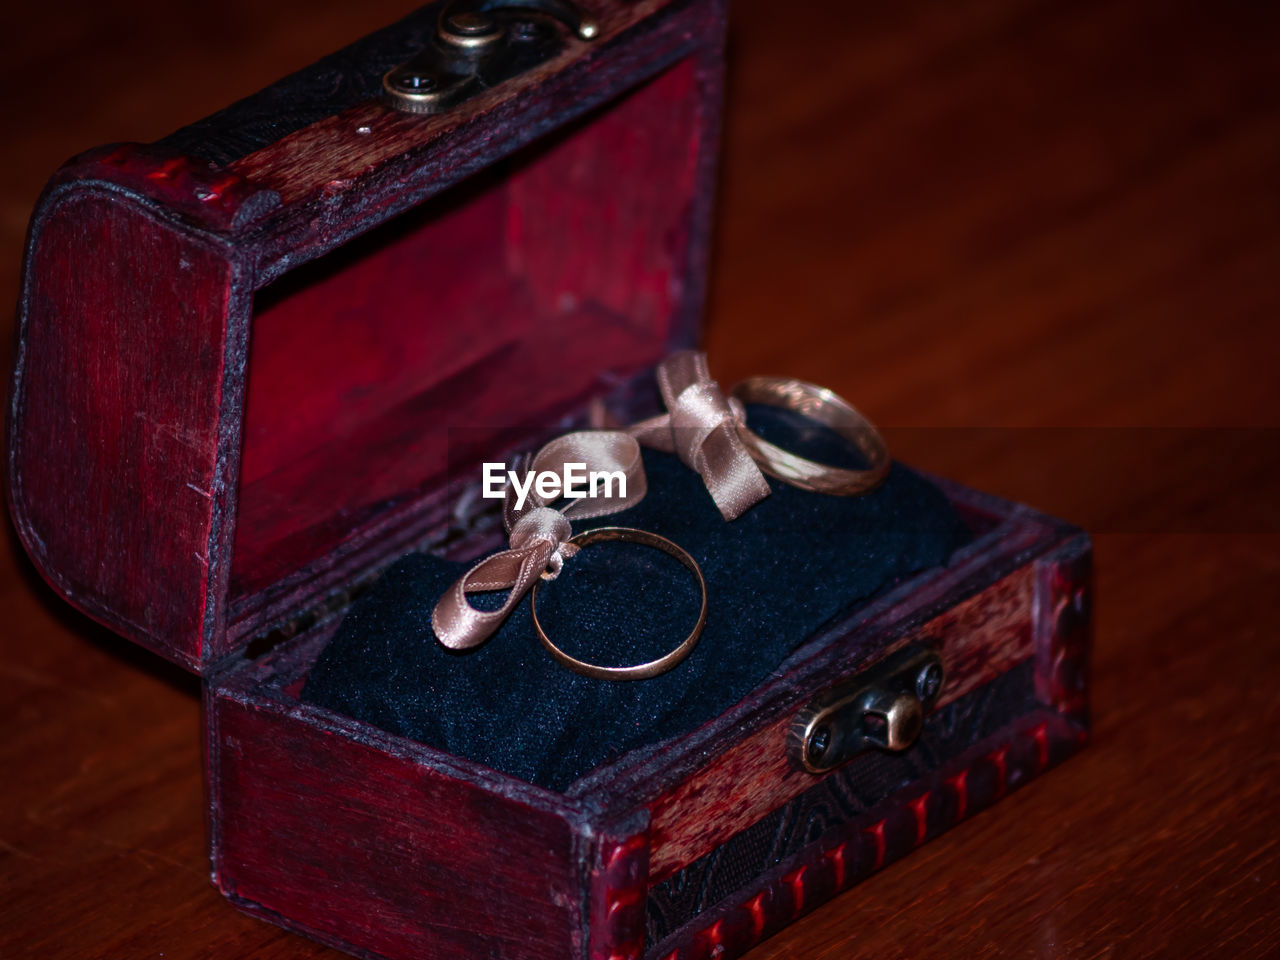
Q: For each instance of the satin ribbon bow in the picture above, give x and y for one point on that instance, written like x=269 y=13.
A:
x=537 y=533
x=701 y=428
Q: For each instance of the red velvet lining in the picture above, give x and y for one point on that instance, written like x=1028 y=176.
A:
x=443 y=337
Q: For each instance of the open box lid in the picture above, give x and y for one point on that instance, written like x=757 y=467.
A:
x=255 y=358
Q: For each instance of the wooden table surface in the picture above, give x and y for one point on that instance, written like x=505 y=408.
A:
x=1039 y=242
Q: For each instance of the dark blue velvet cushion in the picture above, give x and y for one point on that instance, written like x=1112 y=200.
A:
x=774 y=576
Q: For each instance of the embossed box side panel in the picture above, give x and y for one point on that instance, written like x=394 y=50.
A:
x=741 y=842
x=827 y=841
x=979 y=640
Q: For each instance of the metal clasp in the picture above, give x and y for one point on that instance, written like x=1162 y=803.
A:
x=480 y=43
x=882 y=709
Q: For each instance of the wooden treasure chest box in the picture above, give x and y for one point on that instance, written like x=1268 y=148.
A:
x=262 y=359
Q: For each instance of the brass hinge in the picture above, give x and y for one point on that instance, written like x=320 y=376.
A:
x=479 y=44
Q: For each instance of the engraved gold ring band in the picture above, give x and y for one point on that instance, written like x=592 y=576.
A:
x=828 y=408
x=641 y=671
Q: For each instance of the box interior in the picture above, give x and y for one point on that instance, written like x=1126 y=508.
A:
x=280 y=674
x=774 y=576
x=465 y=327
x=383 y=373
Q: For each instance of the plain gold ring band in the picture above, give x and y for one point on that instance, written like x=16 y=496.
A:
x=641 y=671
x=829 y=408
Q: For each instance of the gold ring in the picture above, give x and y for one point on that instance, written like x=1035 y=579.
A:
x=641 y=671
x=828 y=408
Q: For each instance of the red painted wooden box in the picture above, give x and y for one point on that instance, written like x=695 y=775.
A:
x=239 y=349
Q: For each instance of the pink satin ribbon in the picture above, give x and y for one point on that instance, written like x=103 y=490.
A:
x=701 y=428
x=537 y=534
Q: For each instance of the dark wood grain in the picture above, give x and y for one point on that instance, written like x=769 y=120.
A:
x=1002 y=215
